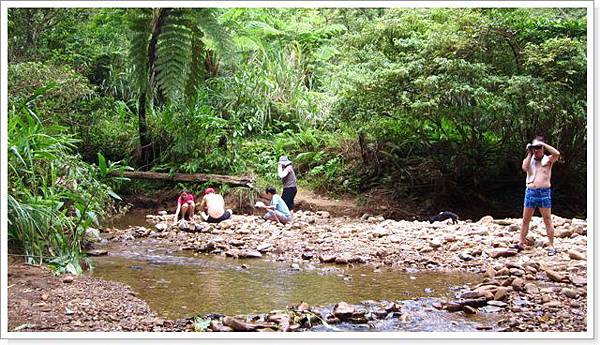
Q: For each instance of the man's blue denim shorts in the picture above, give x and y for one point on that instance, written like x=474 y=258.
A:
x=540 y=197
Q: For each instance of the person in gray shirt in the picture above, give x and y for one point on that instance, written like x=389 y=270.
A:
x=285 y=170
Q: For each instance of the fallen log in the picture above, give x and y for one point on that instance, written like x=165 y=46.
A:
x=239 y=181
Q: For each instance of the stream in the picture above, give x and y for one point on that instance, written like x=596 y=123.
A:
x=178 y=284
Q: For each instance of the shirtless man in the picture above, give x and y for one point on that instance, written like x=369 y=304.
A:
x=538 y=193
x=214 y=206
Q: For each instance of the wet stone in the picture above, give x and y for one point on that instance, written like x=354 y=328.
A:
x=343 y=311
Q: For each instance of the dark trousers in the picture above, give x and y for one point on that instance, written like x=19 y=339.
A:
x=288 y=196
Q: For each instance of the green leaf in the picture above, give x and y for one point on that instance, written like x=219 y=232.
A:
x=102 y=164
x=114 y=195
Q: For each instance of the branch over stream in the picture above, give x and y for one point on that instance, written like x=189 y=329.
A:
x=241 y=181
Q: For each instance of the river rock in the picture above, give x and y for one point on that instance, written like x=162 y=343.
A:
x=251 y=254
x=552 y=304
x=380 y=232
x=475 y=303
x=465 y=256
x=500 y=294
x=436 y=243
x=342 y=259
x=237 y=243
x=97 y=252
x=473 y=294
x=491 y=309
x=578 y=280
x=490 y=272
x=575 y=255
x=517 y=272
x=469 y=310
x=183 y=225
x=503 y=222
x=579 y=229
x=502 y=272
x=207 y=248
x=486 y=220
x=161 y=226
x=357 y=259
x=518 y=284
x=504 y=253
x=265 y=247
x=453 y=306
x=217 y=326
x=327 y=258
x=564 y=233
x=226 y=224
x=323 y=214
x=531 y=288
x=569 y=293
x=497 y=304
x=343 y=311
x=307 y=255
x=554 y=276
x=238 y=325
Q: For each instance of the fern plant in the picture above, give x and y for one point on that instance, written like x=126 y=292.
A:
x=167 y=48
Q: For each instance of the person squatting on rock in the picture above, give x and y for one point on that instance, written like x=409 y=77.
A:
x=185 y=204
x=538 y=193
x=277 y=211
x=213 y=207
x=285 y=170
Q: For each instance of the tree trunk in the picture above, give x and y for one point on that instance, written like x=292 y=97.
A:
x=241 y=181
x=145 y=141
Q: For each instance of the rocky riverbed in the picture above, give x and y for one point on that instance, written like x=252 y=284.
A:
x=531 y=290
x=526 y=291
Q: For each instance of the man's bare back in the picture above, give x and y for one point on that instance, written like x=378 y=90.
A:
x=215 y=205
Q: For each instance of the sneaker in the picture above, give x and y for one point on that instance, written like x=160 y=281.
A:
x=551 y=251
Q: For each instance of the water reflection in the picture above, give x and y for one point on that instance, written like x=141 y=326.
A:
x=183 y=285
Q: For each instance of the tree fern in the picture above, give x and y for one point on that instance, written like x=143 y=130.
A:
x=166 y=49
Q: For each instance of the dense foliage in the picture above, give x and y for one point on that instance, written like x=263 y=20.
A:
x=432 y=105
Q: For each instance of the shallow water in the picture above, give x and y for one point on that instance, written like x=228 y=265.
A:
x=179 y=284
